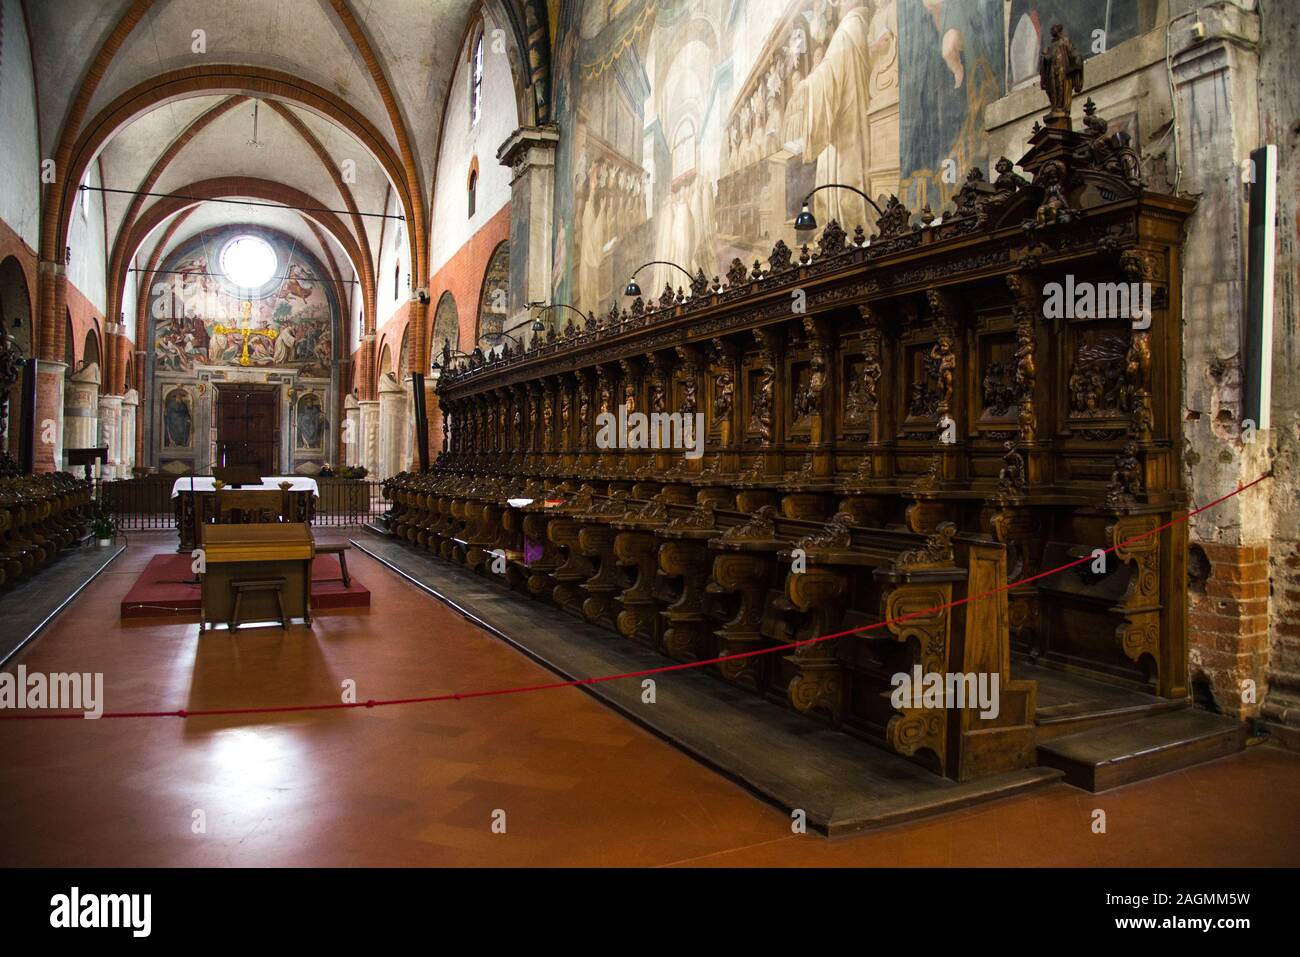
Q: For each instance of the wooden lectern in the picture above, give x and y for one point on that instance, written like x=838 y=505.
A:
x=256 y=573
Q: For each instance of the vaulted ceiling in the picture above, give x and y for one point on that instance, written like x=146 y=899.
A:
x=348 y=97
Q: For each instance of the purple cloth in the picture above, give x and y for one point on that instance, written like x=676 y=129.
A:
x=532 y=550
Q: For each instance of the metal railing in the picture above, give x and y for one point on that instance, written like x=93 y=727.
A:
x=144 y=504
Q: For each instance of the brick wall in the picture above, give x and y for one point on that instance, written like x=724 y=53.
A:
x=1228 y=624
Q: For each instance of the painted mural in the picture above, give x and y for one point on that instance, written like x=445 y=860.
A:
x=692 y=129
x=204 y=318
x=1093 y=25
x=951 y=67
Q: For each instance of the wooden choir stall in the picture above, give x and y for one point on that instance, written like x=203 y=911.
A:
x=935 y=423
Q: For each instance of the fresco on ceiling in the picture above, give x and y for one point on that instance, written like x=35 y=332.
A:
x=202 y=318
x=691 y=131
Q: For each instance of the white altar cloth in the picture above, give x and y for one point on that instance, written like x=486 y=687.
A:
x=205 y=483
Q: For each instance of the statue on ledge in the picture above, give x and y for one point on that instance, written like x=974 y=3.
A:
x=1060 y=73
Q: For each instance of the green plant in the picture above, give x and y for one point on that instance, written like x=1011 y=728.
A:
x=355 y=472
x=103 y=523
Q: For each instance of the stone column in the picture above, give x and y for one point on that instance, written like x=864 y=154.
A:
x=49 y=415
x=352 y=435
x=126 y=456
x=391 y=425
x=1215 y=82
x=530 y=153
x=368 y=449
x=81 y=408
x=110 y=434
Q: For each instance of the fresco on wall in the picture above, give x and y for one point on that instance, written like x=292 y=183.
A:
x=1093 y=25
x=950 y=68
x=446 y=327
x=202 y=318
x=494 y=300
x=312 y=423
x=691 y=131
x=178 y=420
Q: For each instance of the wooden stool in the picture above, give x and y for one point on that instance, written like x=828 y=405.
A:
x=257 y=585
x=340 y=551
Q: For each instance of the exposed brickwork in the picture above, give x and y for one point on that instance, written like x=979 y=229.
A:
x=1283 y=704
x=1228 y=625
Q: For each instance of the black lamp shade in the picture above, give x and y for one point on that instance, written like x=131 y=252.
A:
x=632 y=289
x=805 y=220
x=538 y=325
x=478 y=354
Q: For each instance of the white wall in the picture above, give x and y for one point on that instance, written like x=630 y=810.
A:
x=129 y=299
x=20 y=173
x=451 y=227
x=86 y=237
x=357 y=311
x=393 y=251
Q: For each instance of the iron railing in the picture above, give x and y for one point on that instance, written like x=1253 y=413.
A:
x=142 y=504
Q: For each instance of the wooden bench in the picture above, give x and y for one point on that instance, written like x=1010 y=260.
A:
x=255 y=585
x=340 y=550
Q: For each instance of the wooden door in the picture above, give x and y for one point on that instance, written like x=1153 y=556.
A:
x=248 y=428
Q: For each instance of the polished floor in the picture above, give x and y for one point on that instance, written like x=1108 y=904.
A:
x=423 y=784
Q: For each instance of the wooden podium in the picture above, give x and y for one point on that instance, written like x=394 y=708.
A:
x=256 y=572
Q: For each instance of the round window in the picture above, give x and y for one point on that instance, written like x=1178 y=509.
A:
x=248 y=261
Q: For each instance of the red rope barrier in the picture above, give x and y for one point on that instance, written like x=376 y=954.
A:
x=681 y=666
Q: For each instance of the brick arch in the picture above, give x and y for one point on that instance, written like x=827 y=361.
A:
x=121 y=256
x=199 y=81
x=117 y=258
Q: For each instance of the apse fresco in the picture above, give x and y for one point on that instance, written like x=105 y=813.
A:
x=202 y=318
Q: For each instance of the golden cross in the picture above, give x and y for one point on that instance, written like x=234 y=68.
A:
x=243 y=329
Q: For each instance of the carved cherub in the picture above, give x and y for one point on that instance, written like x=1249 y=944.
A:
x=1054 y=208
x=1008 y=179
x=724 y=388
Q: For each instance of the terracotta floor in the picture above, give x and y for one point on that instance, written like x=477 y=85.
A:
x=419 y=784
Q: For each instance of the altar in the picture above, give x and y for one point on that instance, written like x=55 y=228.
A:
x=199 y=492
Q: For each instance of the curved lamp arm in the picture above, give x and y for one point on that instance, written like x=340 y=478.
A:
x=806 y=220
x=546 y=307
x=505 y=335
x=633 y=289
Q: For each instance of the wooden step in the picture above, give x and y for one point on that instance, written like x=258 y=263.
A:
x=1119 y=754
x=1071 y=704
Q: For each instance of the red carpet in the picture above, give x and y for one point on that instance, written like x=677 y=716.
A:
x=160 y=591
